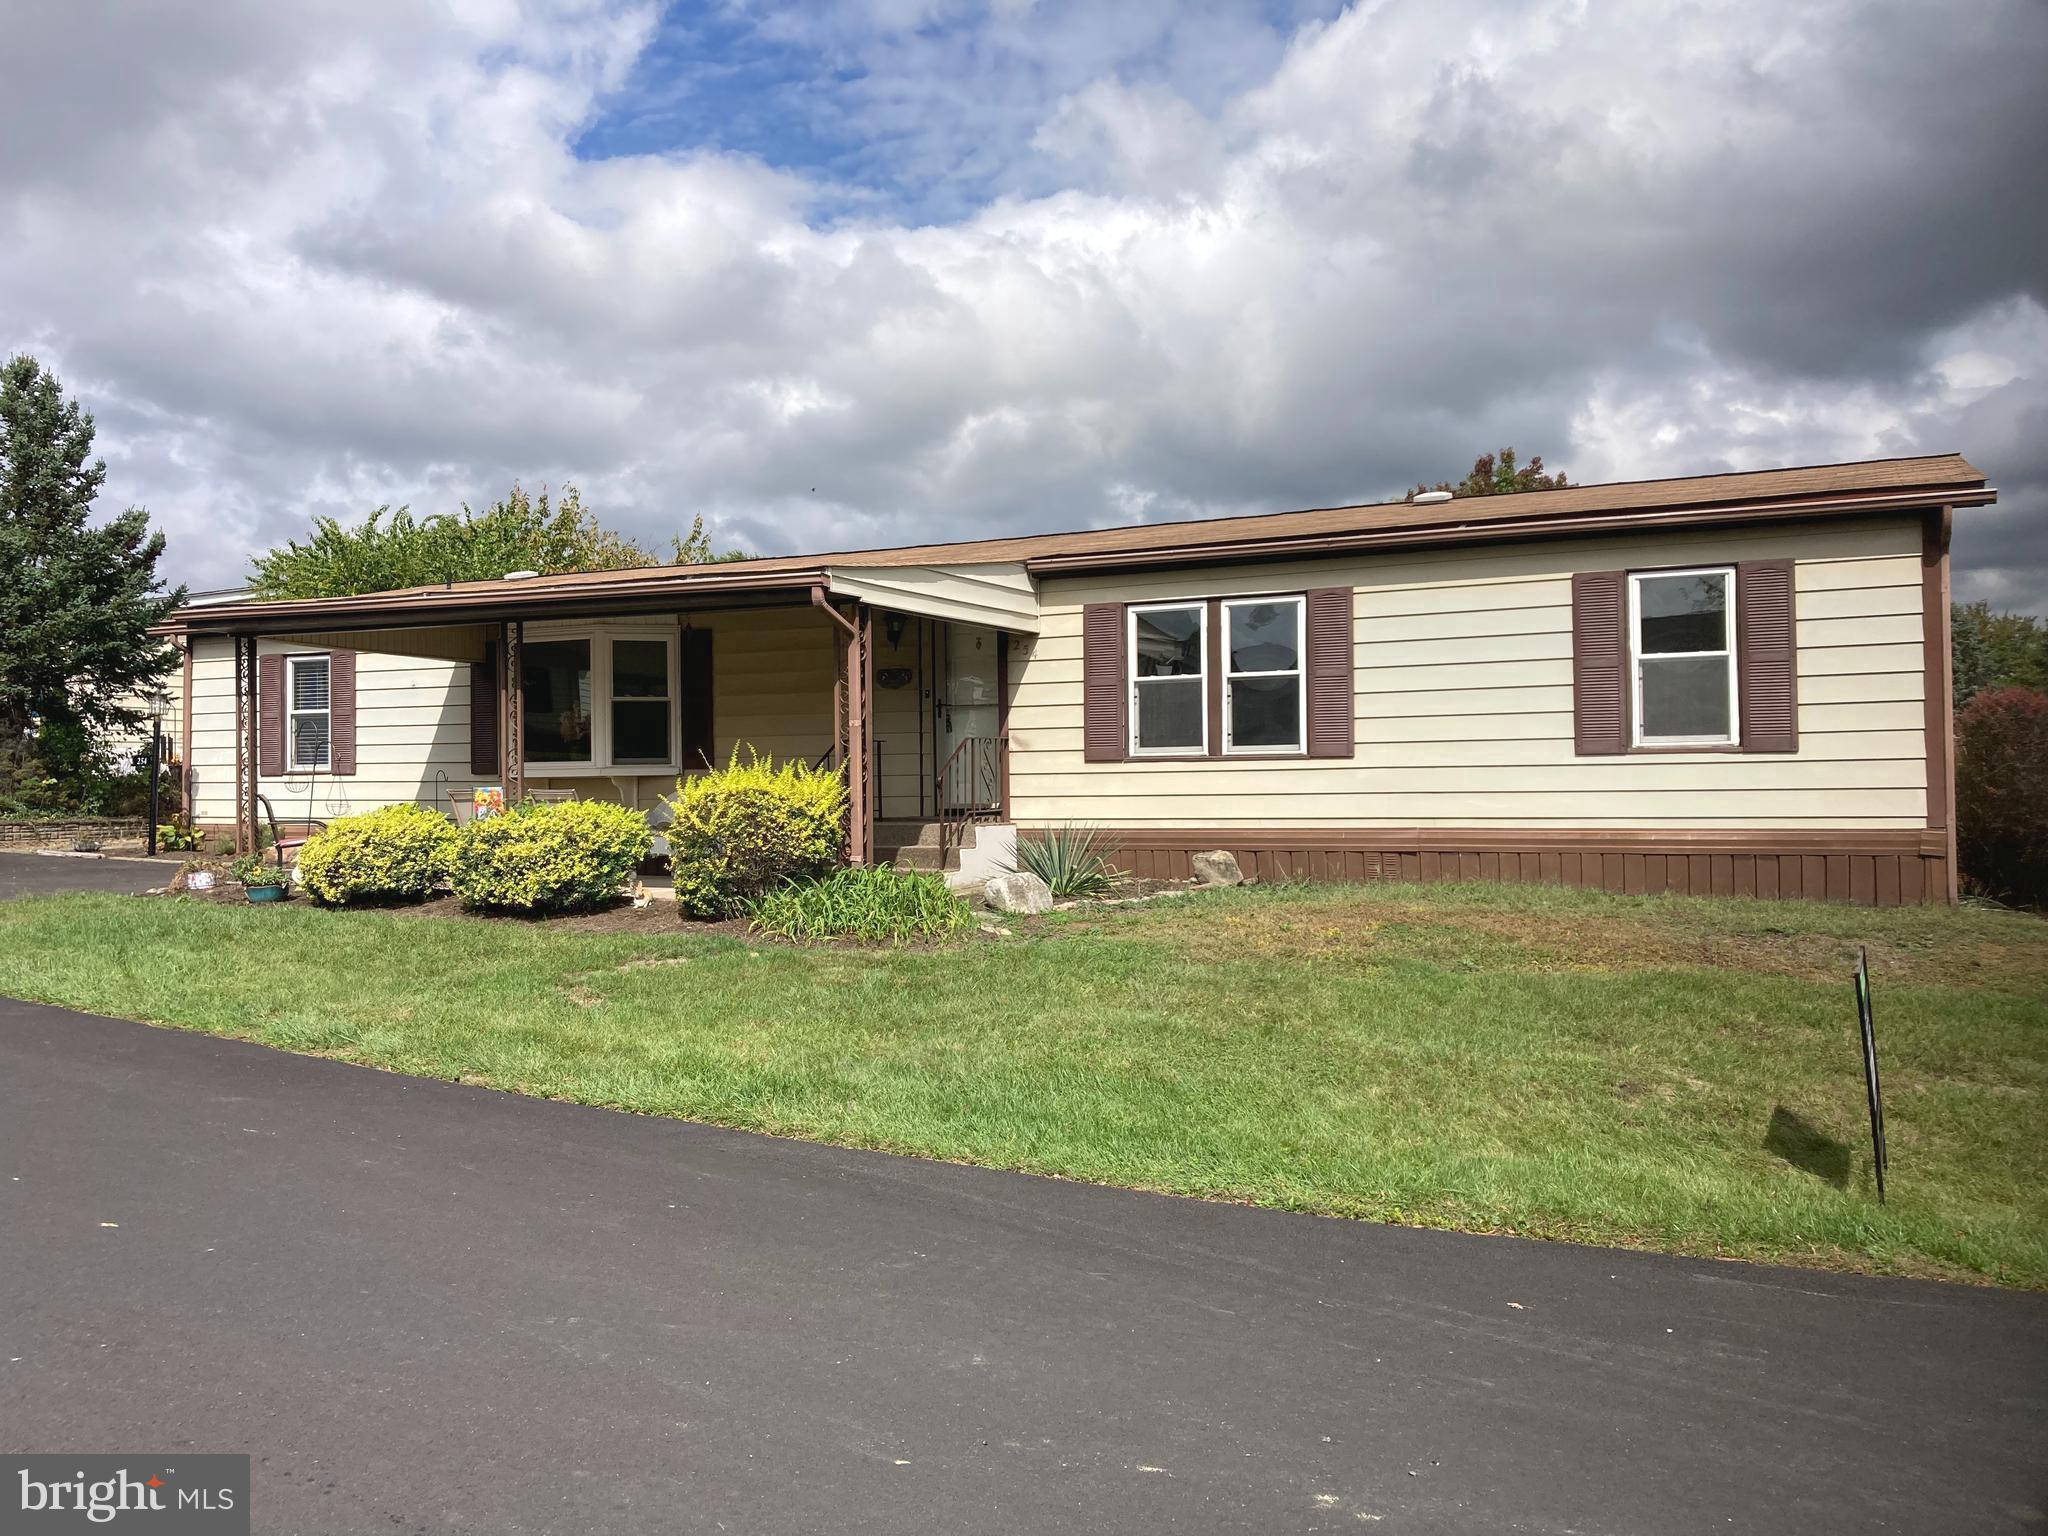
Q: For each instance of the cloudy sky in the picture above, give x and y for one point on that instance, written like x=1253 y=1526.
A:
x=865 y=271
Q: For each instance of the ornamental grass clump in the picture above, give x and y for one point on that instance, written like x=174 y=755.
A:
x=540 y=858
x=876 y=906
x=399 y=853
x=1073 y=860
x=741 y=831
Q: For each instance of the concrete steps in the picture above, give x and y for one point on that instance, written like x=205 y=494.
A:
x=915 y=844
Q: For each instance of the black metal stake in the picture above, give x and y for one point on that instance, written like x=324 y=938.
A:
x=1871 y=1087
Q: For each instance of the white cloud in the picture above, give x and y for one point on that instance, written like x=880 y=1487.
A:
x=310 y=267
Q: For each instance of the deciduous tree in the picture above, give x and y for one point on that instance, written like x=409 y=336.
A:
x=521 y=532
x=1497 y=474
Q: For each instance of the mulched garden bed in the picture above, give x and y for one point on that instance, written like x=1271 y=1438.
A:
x=664 y=916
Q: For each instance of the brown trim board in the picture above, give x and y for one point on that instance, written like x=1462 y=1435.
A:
x=1937 y=647
x=1873 y=867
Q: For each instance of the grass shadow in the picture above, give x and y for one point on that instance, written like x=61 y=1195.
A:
x=1806 y=1146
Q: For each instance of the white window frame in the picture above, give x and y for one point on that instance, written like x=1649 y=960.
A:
x=1299 y=672
x=1637 y=657
x=612 y=697
x=293 y=714
x=1200 y=677
x=602 y=764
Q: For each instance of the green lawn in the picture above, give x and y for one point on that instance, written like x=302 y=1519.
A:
x=1671 y=1074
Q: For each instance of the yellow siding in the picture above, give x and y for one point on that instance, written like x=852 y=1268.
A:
x=771 y=676
x=412 y=737
x=1463 y=682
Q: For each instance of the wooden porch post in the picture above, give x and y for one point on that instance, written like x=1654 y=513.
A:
x=853 y=650
x=247 y=837
x=860 y=737
x=515 y=712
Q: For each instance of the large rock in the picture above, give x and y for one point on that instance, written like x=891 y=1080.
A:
x=1021 y=892
x=1218 y=868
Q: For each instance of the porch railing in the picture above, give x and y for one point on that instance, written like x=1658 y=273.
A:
x=969 y=789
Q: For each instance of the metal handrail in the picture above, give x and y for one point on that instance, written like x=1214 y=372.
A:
x=959 y=800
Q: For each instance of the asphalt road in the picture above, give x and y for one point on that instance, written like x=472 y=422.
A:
x=428 y=1307
x=36 y=874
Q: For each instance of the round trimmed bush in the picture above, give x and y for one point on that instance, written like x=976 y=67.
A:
x=399 y=853
x=550 y=857
x=746 y=829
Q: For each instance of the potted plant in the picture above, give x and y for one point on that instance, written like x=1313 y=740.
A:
x=261 y=881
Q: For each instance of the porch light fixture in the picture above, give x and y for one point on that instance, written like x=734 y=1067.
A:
x=892 y=626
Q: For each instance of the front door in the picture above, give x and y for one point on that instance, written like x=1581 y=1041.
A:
x=969 y=711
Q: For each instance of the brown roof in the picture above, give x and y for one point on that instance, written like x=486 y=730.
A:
x=1863 y=486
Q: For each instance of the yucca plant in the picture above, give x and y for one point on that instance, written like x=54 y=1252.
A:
x=878 y=906
x=1073 y=860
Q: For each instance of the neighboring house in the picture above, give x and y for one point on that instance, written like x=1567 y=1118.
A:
x=1730 y=683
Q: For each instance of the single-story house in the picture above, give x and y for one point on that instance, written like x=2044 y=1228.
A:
x=1732 y=683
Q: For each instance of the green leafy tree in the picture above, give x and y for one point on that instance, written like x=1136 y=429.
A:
x=1997 y=650
x=1497 y=474
x=521 y=532
x=77 y=600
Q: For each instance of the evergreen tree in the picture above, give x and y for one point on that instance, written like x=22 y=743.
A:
x=77 y=601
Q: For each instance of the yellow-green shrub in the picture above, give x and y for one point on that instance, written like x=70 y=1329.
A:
x=549 y=858
x=398 y=853
x=742 y=830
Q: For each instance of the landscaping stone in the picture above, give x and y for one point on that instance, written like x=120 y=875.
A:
x=1217 y=868
x=1022 y=892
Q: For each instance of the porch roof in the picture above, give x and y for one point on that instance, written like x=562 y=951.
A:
x=979 y=570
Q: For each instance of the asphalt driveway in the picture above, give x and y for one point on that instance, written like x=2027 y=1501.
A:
x=38 y=874
x=425 y=1307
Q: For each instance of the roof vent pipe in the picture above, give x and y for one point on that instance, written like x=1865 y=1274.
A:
x=1431 y=498
x=521 y=575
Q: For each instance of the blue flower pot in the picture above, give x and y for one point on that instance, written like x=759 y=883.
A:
x=264 y=892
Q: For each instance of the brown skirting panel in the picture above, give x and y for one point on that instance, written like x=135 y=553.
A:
x=1874 y=868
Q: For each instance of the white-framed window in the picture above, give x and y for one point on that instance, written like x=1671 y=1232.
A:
x=1265 y=706
x=643 y=699
x=308 y=683
x=1167 y=647
x=1682 y=633
x=598 y=699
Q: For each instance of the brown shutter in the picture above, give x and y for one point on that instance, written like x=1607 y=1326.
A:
x=483 y=715
x=341 y=699
x=1332 y=709
x=1766 y=656
x=1600 y=689
x=270 y=716
x=1105 y=690
x=698 y=741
